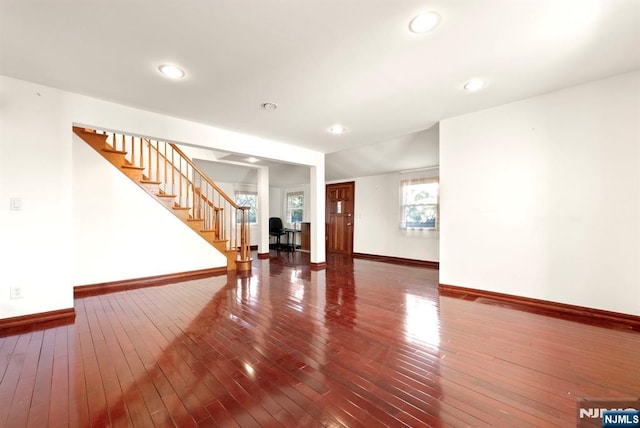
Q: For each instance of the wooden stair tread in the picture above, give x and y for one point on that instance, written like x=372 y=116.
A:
x=110 y=150
x=89 y=131
x=140 y=176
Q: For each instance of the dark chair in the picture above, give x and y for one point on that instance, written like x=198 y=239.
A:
x=276 y=229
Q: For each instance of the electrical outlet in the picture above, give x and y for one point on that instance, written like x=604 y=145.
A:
x=16 y=292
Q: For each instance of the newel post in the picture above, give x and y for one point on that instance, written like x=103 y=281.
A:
x=244 y=262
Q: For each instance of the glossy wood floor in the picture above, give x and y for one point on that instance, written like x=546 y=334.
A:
x=361 y=344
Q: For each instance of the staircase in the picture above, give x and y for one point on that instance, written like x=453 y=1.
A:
x=171 y=178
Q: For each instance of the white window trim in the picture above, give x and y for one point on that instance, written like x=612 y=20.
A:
x=286 y=202
x=248 y=192
x=417 y=179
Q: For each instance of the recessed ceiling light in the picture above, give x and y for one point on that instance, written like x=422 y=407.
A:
x=474 y=85
x=424 y=22
x=252 y=160
x=171 y=71
x=337 y=129
x=269 y=106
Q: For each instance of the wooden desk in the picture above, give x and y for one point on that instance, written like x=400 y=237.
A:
x=291 y=238
x=305 y=236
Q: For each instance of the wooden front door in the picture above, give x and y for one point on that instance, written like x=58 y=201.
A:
x=339 y=217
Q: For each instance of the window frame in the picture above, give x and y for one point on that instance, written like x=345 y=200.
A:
x=289 y=209
x=253 y=211
x=414 y=181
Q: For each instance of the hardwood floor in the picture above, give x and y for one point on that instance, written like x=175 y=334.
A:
x=361 y=343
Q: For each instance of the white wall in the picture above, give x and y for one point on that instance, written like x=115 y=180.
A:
x=36 y=243
x=120 y=232
x=377 y=221
x=263 y=210
x=275 y=202
x=541 y=198
x=317 y=212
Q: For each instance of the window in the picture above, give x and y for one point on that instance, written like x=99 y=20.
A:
x=247 y=199
x=419 y=209
x=295 y=207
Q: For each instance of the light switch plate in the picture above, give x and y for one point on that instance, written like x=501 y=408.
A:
x=15 y=204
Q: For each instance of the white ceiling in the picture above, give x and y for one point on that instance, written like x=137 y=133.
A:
x=322 y=61
x=228 y=167
x=407 y=152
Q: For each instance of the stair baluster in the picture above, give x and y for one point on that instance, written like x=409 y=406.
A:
x=193 y=197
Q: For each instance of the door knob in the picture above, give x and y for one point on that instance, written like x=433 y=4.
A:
x=348 y=224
